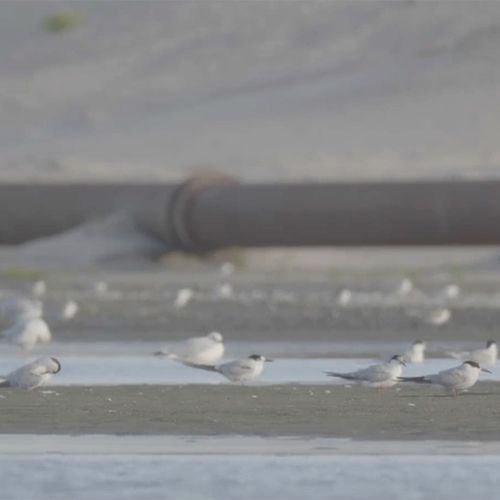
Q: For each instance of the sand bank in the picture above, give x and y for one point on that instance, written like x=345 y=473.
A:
x=414 y=413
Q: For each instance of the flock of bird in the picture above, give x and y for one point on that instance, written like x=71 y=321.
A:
x=28 y=328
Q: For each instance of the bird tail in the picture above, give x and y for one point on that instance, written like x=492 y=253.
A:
x=346 y=376
x=165 y=354
x=5 y=383
x=209 y=368
x=417 y=380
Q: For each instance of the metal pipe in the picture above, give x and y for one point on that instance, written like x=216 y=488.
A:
x=210 y=212
x=390 y=213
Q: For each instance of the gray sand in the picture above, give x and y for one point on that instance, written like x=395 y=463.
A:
x=357 y=412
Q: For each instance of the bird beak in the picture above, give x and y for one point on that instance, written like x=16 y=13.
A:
x=269 y=360
x=403 y=363
x=485 y=370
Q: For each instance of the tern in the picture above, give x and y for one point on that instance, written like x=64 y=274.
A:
x=198 y=350
x=28 y=332
x=486 y=356
x=377 y=376
x=240 y=370
x=455 y=379
x=345 y=297
x=39 y=288
x=416 y=353
x=32 y=375
x=184 y=296
x=435 y=317
x=69 y=310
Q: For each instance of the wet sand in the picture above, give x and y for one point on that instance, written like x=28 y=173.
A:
x=413 y=413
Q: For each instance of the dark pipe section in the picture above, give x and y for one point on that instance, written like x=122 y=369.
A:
x=214 y=211
x=389 y=213
x=34 y=211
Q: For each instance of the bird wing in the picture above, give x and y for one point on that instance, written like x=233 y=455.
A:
x=190 y=347
x=237 y=367
x=458 y=355
x=449 y=377
x=374 y=373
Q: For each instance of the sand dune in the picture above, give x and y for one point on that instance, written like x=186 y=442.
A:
x=259 y=89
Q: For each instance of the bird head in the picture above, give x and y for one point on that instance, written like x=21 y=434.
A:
x=258 y=357
x=215 y=336
x=398 y=358
x=476 y=366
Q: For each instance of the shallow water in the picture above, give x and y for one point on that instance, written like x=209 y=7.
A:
x=118 y=370
x=249 y=477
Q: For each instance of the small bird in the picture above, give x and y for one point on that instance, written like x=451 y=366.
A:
x=28 y=332
x=17 y=308
x=416 y=353
x=345 y=297
x=377 y=376
x=32 y=375
x=100 y=287
x=223 y=289
x=455 y=379
x=69 y=310
x=198 y=350
x=404 y=288
x=449 y=292
x=435 y=317
x=184 y=296
x=240 y=370
x=486 y=356
x=39 y=288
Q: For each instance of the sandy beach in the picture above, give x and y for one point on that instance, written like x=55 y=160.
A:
x=413 y=413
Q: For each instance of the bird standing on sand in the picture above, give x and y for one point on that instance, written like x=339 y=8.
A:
x=455 y=379
x=39 y=288
x=416 y=353
x=199 y=350
x=240 y=370
x=377 y=376
x=434 y=317
x=28 y=332
x=486 y=356
x=32 y=375
x=68 y=310
x=183 y=297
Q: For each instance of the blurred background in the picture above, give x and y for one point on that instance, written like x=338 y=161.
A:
x=115 y=117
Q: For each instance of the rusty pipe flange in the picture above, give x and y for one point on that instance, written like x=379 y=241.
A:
x=181 y=205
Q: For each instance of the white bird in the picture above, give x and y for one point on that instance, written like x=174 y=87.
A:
x=224 y=290
x=378 y=376
x=100 y=287
x=69 y=310
x=434 y=317
x=227 y=269
x=240 y=370
x=404 y=288
x=200 y=350
x=455 y=379
x=449 y=292
x=416 y=353
x=345 y=297
x=184 y=296
x=32 y=375
x=28 y=332
x=17 y=308
x=39 y=288
x=486 y=356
